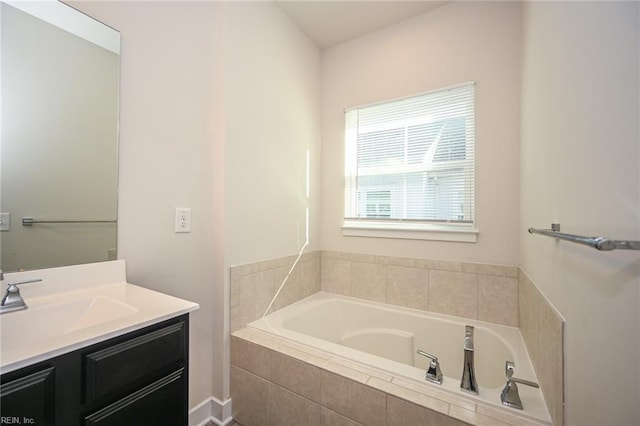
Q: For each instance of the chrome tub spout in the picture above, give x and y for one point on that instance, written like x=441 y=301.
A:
x=468 y=382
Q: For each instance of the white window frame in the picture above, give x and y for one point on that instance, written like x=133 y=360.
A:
x=397 y=228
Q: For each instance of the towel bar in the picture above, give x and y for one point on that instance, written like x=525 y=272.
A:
x=599 y=243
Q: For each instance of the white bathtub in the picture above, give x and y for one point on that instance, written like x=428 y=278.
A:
x=387 y=337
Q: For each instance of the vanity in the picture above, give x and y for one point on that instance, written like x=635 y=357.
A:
x=92 y=349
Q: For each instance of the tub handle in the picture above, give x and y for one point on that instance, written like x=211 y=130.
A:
x=433 y=374
x=509 y=395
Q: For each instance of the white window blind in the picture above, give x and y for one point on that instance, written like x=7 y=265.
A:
x=412 y=160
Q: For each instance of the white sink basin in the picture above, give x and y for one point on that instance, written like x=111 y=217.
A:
x=76 y=306
x=48 y=321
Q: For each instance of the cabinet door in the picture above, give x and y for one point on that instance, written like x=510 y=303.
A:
x=29 y=399
x=128 y=364
x=158 y=404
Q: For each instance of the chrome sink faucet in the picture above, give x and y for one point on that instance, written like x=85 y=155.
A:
x=12 y=300
x=468 y=382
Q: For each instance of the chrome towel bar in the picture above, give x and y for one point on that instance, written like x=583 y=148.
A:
x=28 y=221
x=599 y=243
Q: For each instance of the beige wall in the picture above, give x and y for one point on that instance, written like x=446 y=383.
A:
x=580 y=168
x=220 y=104
x=452 y=44
x=169 y=157
x=272 y=121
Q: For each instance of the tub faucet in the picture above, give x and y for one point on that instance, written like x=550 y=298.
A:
x=509 y=395
x=433 y=374
x=468 y=382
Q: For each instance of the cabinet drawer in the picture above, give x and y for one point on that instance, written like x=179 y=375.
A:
x=118 y=367
x=160 y=403
x=29 y=399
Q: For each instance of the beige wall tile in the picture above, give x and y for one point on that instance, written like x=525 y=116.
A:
x=369 y=281
x=362 y=368
x=498 y=300
x=250 y=395
x=453 y=293
x=335 y=275
x=490 y=416
x=341 y=400
x=345 y=372
x=355 y=257
x=397 y=261
x=489 y=269
x=403 y=413
x=255 y=294
x=475 y=418
x=250 y=357
x=302 y=351
x=240 y=270
x=360 y=275
x=278 y=262
x=407 y=286
x=354 y=400
x=428 y=389
x=294 y=375
x=543 y=333
x=310 y=268
x=290 y=290
x=410 y=395
x=235 y=318
x=289 y=409
x=440 y=265
x=330 y=254
x=331 y=418
x=258 y=337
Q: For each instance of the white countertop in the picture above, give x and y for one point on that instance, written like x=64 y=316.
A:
x=77 y=306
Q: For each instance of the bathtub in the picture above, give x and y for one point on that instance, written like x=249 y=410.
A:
x=387 y=338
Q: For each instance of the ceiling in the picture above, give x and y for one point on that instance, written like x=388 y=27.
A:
x=331 y=22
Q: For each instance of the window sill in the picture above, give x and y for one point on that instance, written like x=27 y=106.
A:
x=411 y=231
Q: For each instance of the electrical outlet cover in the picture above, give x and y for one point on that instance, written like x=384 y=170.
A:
x=183 y=219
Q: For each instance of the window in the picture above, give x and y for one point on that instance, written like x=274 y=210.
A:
x=410 y=163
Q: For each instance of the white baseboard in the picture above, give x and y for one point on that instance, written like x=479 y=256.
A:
x=211 y=410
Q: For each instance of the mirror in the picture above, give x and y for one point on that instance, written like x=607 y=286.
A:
x=59 y=75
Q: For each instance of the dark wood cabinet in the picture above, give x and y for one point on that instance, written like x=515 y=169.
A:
x=155 y=404
x=137 y=379
x=29 y=398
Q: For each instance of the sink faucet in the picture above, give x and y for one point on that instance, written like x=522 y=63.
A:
x=468 y=382
x=12 y=300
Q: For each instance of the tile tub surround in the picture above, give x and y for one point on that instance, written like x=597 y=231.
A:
x=494 y=293
x=476 y=291
x=254 y=285
x=542 y=329
x=277 y=382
